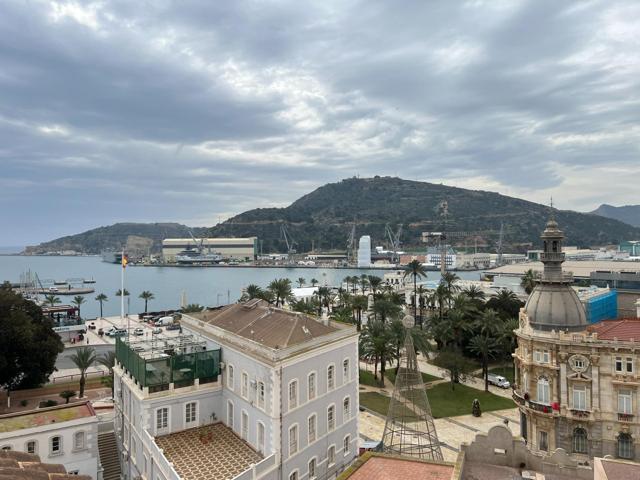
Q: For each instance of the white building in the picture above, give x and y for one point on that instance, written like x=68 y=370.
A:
x=247 y=392
x=65 y=434
x=434 y=255
x=473 y=261
x=364 y=252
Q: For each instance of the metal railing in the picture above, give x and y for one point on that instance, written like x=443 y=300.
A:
x=625 y=417
x=74 y=376
x=540 y=407
x=519 y=399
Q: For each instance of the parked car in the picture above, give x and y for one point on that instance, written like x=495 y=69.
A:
x=161 y=322
x=499 y=381
x=138 y=331
x=117 y=332
x=173 y=326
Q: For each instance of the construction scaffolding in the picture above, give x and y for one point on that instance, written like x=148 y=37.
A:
x=409 y=429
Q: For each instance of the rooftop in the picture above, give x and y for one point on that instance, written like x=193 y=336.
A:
x=616 y=469
x=625 y=329
x=211 y=451
x=384 y=467
x=22 y=466
x=258 y=321
x=45 y=416
x=579 y=268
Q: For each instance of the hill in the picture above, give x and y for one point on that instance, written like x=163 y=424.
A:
x=628 y=214
x=324 y=217
x=114 y=237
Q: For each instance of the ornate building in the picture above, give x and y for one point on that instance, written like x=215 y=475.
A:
x=577 y=384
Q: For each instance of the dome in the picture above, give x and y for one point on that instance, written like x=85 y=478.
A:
x=555 y=306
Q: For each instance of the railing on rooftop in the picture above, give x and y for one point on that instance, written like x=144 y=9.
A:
x=179 y=369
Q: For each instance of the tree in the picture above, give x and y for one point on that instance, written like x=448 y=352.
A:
x=324 y=298
x=28 y=344
x=449 y=280
x=484 y=346
x=108 y=360
x=146 y=296
x=301 y=281
x=281 y=290
x=528 y=281
x=252 y=291
x=192 y=308
x=314 y=282
x=83 y=358
x=374 y=283
x=359 y=303
x=51 y=300
x=505 y=303
x=385 y=310
x=376 y=343
x=77 y=301
x=67 y=394
x=119 y=293
x=457 y=366
x=415 y=269
x=101 y=298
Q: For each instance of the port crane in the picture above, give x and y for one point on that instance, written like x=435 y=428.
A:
x=351 y=244
x=288 y=240
x=394 y=241
x=199 y=245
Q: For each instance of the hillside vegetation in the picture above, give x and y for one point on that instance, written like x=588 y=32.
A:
x=628 y=214
x=326 y=215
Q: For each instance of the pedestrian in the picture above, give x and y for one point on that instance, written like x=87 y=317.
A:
x=506 y=422
x=87 y=339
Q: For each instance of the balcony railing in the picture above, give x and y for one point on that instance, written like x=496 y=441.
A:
x=519 y=399
x=625 y=417
x=552 y=256
x=579 y=413
x=540 y=407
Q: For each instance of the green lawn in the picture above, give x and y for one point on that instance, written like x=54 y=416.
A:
x=426 y=378
x=366 y=378
x=444 y=402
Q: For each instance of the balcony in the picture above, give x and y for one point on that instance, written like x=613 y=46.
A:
x=519 y=399
x=579 y=413
x=552 y=256
x=625 y=417
x=540 y=407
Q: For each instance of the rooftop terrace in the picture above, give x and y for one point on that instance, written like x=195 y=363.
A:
x=211 y=451
x=45 y=416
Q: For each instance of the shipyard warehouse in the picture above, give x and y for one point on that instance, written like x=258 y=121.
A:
x=241 y=249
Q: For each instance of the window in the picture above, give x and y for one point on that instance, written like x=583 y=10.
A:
x=244 y=425
x=312 y=469
x=190 y=414
x=345 y=370
x=579 y=397
x=244 y=387
x=543 y=391
x=625 y=446
x=543 y=440
x=624 y=365
x=260 y=437
x=629 y=363
x=580 y=440
x=293 y=475
x=230 y=414
x=31 y=446
x=260 y=395
x=78 y=441
x=541 y=356
x=331 y=455
x=311 y=386
x=162 y=418
x=346 y=444
x=293 y=394
x=56 y=445
x=624 y=401
x=311 y=437
x=293 y=440
x=618 y=365
x=578 y=363
x=331 y=418
x=230 y=379
x=346 y=409
x=331 y=377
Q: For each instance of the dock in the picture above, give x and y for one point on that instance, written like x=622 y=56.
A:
x=65 y=291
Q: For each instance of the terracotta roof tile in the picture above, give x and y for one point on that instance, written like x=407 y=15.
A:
x=25 y=466
x=625 y=329
x=386 y=468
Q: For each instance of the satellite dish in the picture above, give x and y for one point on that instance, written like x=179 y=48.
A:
x=408 y=321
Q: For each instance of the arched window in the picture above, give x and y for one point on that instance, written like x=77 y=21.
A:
x=331 y=377
x=346 y=409
x=580 y=440
x=543 y=393
x=230 y=377
x=625 y=445
x=78 y=441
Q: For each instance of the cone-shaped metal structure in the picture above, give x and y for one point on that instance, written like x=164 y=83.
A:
x=409 y=429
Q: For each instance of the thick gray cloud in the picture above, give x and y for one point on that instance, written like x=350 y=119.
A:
x=193 y=111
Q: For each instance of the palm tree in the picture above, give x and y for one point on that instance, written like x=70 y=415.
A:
x=528 y=281
x=324 y=298
x=374 y=283
x=119 y=293
x=101 y=298
x=359 y=303
x=376 y=343
x=488 y=323
x=415 y=269
x=67 y=394
x=77 y=301
x=301 y=282
x=83 y=358
x=314 y=282
x=484 y=346
x=253 y=291
x=192 y=308
x=146 y=296
x=385 y=310
x=51 y=300
x=474 y=293
x=364 y=281
x=448 y=280
x=108 y=360
x=422 y=295
x=281 y=290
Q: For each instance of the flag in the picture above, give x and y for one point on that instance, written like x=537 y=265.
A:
x=125 y=260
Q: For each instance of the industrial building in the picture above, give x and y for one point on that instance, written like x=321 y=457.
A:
x=433 y=257
x=632 y=247
x=364 y=252
x=244 y=249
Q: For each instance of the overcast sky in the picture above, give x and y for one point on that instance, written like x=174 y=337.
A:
x=194 y=111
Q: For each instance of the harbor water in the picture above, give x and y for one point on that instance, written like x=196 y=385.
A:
x=205 y=286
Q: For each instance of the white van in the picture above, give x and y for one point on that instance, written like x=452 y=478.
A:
x=161 y=322
x=498 y=381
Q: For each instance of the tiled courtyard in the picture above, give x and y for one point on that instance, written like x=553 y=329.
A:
x=211 y=451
